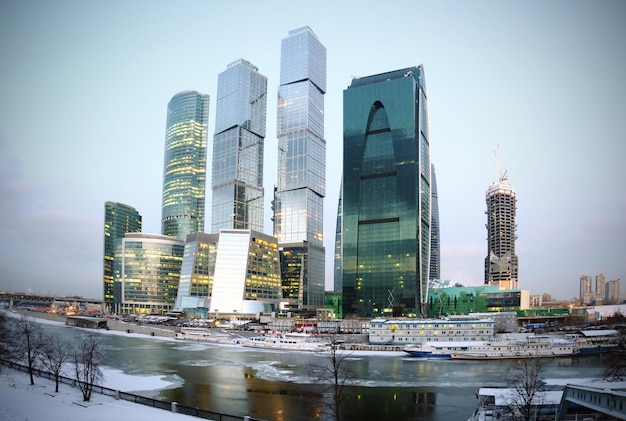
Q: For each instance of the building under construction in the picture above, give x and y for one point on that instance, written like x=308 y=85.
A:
x=501 y=262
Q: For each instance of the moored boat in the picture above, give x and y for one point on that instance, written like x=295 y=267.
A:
x=292 y=341
x=439 y=350
x=525 y=347
x=595 y=341
x=199 y=334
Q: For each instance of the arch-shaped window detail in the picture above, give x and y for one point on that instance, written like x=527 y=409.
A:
x=378 y=156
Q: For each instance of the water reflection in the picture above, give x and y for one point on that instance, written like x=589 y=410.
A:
x=281 y=386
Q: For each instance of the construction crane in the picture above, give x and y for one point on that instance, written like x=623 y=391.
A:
x=501 y=175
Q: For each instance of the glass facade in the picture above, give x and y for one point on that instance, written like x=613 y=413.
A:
x=338 y=272
x=118 y=220
x=147 y=273
x=247 y=273
x=184 y=165
x=197 y=272
x=240 y=119
x=299 y=194
x=435 y=248
x=386 y=195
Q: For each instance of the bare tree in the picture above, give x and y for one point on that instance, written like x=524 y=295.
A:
x=615 y=362
x=88 y=359
x=527 y=394
x=55 y=354
x=6 y=335
x=334 y=376
x=29 y=343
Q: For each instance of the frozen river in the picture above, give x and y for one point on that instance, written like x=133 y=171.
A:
x=280 y=386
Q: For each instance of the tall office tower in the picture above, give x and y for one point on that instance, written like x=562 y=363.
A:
x=118 y=220
x=435 y=248
x=147 y=272
x=586 y=292
x=338 y=272
x=501 y=265
x=386 y=195
x=237 y=180
x=299 y=194
x=184 y=166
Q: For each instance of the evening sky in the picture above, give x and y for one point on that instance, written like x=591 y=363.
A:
x=84 y=87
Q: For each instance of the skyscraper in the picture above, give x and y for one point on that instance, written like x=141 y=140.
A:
x=240 y=118
x=501 y=262
x=338 y=272
x=118 y=220
x=301 y=185
x=184 y=165
x=386 y=195
x=435 y=247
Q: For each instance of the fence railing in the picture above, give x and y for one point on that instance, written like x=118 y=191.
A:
x=131 y=397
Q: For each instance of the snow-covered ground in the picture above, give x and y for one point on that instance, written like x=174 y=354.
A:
x=21 y=401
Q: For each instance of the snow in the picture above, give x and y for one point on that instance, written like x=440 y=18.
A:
x=21 y=401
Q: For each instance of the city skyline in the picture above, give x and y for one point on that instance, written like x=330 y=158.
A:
x=508 y=74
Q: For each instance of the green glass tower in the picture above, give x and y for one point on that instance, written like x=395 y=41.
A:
x=118 y=220
x=184 y=165
x=386 y=195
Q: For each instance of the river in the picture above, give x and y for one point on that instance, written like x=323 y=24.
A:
x=281 y=386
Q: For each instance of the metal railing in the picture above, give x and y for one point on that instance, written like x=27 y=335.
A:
x=131 y=397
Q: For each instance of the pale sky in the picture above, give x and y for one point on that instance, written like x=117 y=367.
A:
x=84 y=87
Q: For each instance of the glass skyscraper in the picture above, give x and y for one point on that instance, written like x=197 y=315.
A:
x=240 y=119
x=118 y=220
x=386 y=195
x=301 y=187
x=184 y=165
x=435 y=246
x=147 y=271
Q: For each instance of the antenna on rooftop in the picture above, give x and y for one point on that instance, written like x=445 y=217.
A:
x=501 y=175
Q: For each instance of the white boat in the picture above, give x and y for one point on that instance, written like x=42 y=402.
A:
x=292 y=341
x=439 y=350
x=199 y=334
x=525 y=347
x=596 y=341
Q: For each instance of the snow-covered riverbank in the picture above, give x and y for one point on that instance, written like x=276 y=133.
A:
x=21 y=401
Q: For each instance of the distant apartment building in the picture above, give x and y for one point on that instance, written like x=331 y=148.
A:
x=586 y=289
x=118 y=220
x=613 y=292
x=601 y=294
